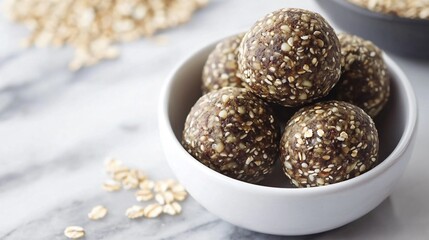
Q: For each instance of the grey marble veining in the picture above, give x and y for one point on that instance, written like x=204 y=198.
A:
x=56 y=128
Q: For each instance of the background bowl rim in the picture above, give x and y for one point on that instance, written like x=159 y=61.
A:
x=379 y=15
x=390 y=160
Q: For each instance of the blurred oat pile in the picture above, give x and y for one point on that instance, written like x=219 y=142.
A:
x=402 y=8
x=91 y=27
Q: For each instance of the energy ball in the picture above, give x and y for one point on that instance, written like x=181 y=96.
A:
x=364 y=80
x=327 y=143
x=233 y=132
x=221 y=68
x=290 y=57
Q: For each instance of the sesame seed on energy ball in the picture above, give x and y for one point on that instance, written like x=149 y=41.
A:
x=290 y=57
x=364 y=80
x=233 y=132
x=328 y=142
x=221 y=67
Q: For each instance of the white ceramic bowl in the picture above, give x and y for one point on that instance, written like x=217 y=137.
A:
x=277 y=208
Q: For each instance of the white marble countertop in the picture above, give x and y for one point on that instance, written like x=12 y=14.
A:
x=57 y=127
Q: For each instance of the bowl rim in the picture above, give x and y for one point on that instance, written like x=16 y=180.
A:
x=379 y=15
x=390 y=160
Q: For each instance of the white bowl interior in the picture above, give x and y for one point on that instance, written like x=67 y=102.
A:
x=185 y=90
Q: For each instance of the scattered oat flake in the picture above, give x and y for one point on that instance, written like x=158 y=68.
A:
x=180 y=195
x=168 y=196
x=111 y=185
x=74 y=232
x=138 y=174
x=160 y=198
x=130 y=182
x=153 y=210
x=98 y=212
x=144 y=195
x=167 y=193
x=93 y=28
x=120 y=173
x=147 y=184
x=173 y=208
x=164 y=197
x=161 y=186
x=135 y=212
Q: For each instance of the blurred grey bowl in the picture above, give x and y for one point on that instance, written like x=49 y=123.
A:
x=402 y=36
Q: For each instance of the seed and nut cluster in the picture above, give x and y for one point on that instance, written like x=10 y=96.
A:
x=364 y=80
x=233 y=132
x=166 y=193
x=401 y=8
x=221 y=68
x=92 y=27
x=328 y=142
x=290 y=58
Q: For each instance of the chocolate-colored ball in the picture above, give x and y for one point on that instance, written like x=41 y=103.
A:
x=327 y=143
x=364 y=80
x=221 y=68
x=233 y=132
x=290 y=57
